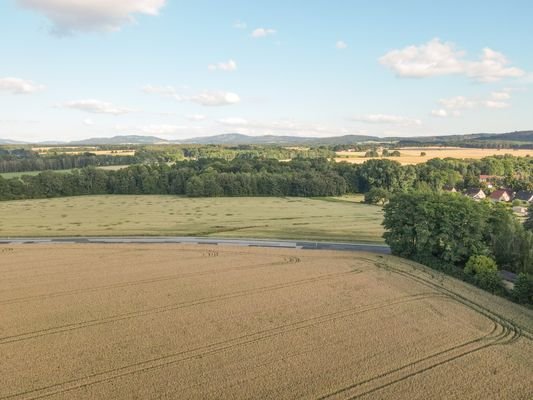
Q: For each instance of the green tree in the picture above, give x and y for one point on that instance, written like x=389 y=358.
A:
x=377 y=196
x=438 y=225
x=484 y=270
x=528 y=224
x=371 y=154
x=523 y=289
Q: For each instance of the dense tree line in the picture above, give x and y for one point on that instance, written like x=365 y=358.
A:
x=243 y=176
x=24 y=160
x=206 y=177
x=451 y=232
x=170 y=153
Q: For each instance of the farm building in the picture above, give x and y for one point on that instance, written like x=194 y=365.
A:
x=524 y=195
x=501 y=195
x=476 y=194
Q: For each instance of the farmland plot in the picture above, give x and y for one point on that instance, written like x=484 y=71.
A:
x=210 y=322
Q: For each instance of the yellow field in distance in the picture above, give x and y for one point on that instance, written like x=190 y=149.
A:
x=411 y=155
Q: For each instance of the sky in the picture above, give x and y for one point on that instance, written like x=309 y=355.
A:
x=73 y=69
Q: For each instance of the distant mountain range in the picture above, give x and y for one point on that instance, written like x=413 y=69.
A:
x=522 y=137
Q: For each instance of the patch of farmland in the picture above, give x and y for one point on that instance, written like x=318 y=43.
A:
x=250 y=217
x=412 y=155
x=210 y=322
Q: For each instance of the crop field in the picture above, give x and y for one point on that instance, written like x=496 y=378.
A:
x=210 y=322
x=411 y=155
x=82 y=150
x=341 y=219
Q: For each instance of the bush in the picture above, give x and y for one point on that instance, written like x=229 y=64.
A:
x=423 y=154
x=371 y=153
x=485 y=273
x=377 y=196
x=523 y=289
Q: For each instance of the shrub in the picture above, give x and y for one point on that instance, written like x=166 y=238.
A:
x=377 y=196
x=523 y=289
x=485 y=272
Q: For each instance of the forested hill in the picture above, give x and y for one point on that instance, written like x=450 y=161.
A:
x=519 y=138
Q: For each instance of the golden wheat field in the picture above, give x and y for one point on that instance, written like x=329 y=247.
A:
x=213 y=322
x=412 y=155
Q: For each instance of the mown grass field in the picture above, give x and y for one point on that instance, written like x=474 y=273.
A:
x=9 y=175
x=212 y=322
x=411 y=155
x=341 y=219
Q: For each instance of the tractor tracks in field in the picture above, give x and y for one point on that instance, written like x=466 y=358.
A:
x=500 y=334
x=504 y=332
x=286 y=260
x=211 y=349
x=170 y=307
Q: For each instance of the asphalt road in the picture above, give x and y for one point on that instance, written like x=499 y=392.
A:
x=289 y=244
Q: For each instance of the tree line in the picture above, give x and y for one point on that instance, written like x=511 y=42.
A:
x=254 y=176
x=25 y=160
x=467 y=239
x=21 y=160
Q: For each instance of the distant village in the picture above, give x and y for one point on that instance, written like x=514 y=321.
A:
x=494 y=192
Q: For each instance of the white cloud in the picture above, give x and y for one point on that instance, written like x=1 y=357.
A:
x=196 y=117
x=341 y=45
x=88 y=122
x=442 y=113
x=97 y=107
x=206 y=98
x=263 y=32
x=458 y=103
x=233 y=121
x=162 y=90
x=69 y=16
x=240 y=25
x=387 y=119
x=214 y=99
x=228 y=66
x=455 y=105
x=495 y=104
x=19 y=86
x=437 y=58
x=503 y=95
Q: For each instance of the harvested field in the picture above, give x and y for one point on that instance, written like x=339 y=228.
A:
x=411 y=155
x=197 y=322
x=334 y=219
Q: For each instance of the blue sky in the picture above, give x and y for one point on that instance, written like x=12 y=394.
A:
x=176 y=69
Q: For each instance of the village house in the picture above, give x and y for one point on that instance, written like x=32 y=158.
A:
x=501 y=195
x=524 y=195
x=476 y=194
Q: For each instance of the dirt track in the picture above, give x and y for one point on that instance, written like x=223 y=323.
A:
x=177 y=321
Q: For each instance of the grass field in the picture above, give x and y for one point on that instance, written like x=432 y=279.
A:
x=9 y=175
x=196 y=322
x=411 y=155
x=341 y=219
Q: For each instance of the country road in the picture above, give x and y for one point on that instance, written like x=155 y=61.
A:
x=290 y=244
